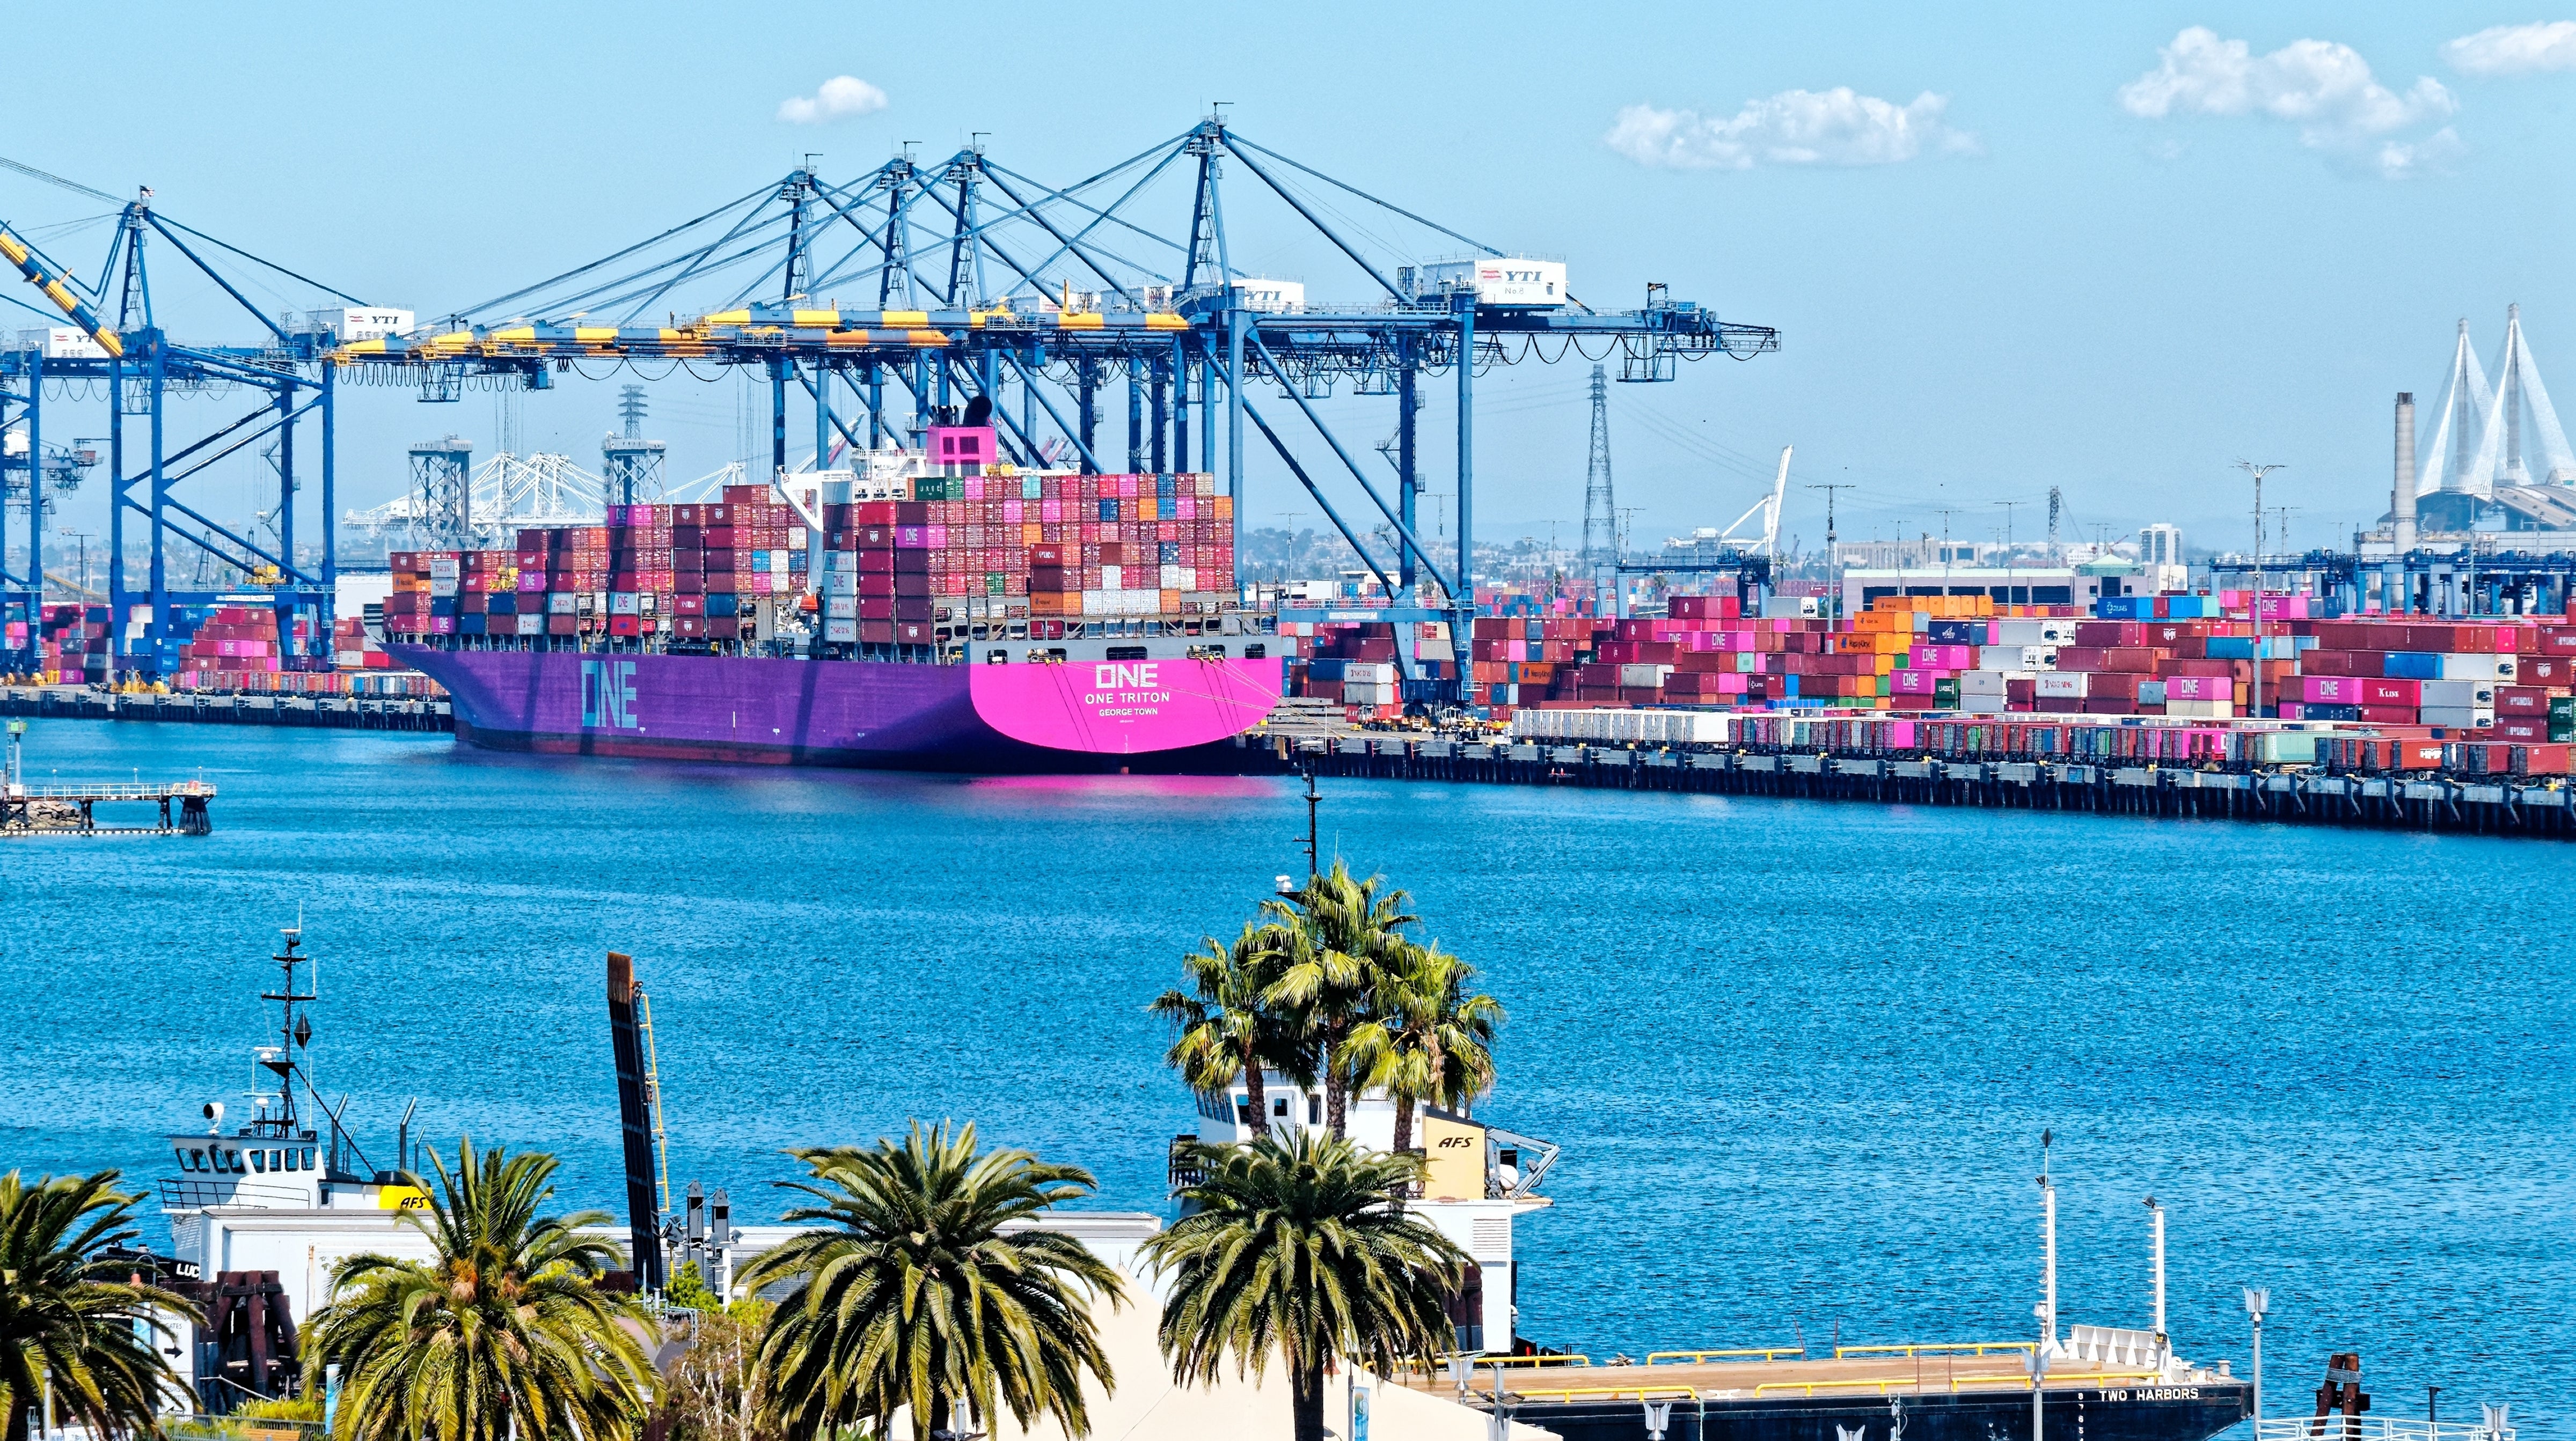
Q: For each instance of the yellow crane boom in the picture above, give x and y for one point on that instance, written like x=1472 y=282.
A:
x=31 y=265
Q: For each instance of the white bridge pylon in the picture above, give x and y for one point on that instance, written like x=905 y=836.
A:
x=2479 y=442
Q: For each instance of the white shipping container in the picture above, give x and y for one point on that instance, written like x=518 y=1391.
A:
x=1643 y=676
x=841 y=632
x=2477 y=667
x=442 y=585
x=2017 y=657
x=840 y=582
x=1792 y=607
x=563 y=602
x=625 y=602
x=1501 y=280
x=1363 y=693
x=1369 y=672
x=2465 y=718
x=2060 y=684
x=1988 y=682
x=2201 y=709
x=2459 y=693
x=2023 y=631
x=1114 y=577
x=349 y=323
x=1623 y=727
x=840 y=607
x=63 y=342
x=442 y=567
x=532 y=625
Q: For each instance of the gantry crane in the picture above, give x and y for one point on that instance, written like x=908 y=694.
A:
x=1054 y=295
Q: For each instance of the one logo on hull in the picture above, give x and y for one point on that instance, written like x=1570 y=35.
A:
x=608 y=694
x=1125 y=676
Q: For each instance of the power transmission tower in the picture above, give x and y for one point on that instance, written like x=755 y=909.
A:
x=1600 y=510
x=2054 y=555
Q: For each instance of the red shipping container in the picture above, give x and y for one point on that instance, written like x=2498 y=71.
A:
x=2546 y=670
x=2521 y=700
x=2379 y=691
x=2522 y=728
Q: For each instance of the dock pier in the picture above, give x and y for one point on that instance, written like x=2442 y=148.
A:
x=2492 y=805
x=338 y=712
x=72 y=810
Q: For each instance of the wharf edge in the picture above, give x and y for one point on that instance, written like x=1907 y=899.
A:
x=229 y=708
x=2428 y=802
x=2420 y=801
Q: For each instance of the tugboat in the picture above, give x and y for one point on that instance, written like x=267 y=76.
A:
x=261 y=1212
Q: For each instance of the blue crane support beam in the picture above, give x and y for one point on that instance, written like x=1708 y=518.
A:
x=1289 y=458
x=1412 y=546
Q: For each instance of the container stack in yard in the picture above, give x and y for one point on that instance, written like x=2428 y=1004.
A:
x=2168 y=679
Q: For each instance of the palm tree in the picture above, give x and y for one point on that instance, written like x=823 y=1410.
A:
x=1339 y=931
x=913 y=1294
x=1426 y=1040
x=1299 y=1245
x=67 y=1309
x=506 y=1334
x=1227 y=1030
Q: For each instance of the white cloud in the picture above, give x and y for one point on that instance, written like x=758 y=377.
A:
x=1794 y=127
x=2515 y=49
x=2324 y=89
x=839 y=97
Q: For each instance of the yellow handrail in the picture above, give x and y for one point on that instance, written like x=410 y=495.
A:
x=1767 y=1353
x=1917 y=1382
x=1613 y=1392
x=1925 y=1348
x=1483 y=1360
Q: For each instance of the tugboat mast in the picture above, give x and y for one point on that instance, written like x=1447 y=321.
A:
x=295 y=1033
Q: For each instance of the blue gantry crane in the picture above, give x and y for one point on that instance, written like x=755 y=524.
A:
x=965 y=278
x=116 y=349
x=879 y=302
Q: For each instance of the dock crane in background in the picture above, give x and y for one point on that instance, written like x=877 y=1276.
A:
x=123 y=353
x=1051 y=295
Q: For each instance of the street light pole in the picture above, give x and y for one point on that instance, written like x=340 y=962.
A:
x=1833 y=549
x=2258 y=472
x=2257 y=1301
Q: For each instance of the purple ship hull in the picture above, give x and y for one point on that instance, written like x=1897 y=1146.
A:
x=1076 y=717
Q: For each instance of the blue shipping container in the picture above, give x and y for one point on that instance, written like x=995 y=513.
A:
x=2412 y=665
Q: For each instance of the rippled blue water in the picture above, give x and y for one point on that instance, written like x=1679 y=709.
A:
x=1798 y=1054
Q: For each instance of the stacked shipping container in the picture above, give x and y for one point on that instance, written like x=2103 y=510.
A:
x=1053 y=549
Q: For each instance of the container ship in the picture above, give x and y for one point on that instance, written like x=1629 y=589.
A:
x=931 y=610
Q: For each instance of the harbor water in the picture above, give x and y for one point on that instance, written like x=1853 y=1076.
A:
x=1798 y=1055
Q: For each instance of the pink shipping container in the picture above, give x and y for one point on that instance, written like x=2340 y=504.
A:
x=2332 y=689
x=1941 y=657
x=2200 y=687
x=1913 y=682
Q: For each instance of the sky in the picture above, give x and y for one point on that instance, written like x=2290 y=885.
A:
x=2111 y=250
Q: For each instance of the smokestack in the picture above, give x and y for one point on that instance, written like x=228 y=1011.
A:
x=2402 y=504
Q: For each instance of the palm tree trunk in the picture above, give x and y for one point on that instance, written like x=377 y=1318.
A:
x=1306 y=1403
x=18 y=1418
x=1403 y=1122
x=1336 y=1095
x=1255 y=1096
